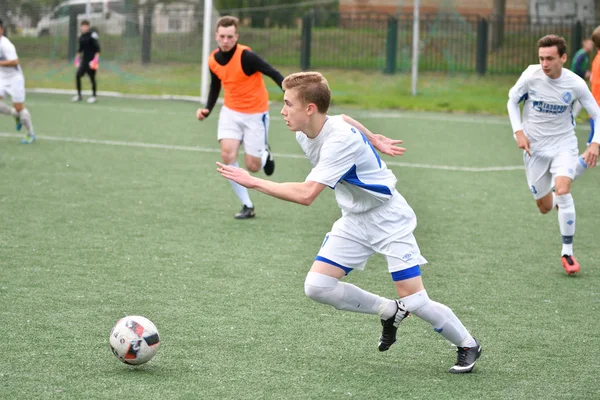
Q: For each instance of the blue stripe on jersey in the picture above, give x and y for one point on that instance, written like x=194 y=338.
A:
x=591 y=131
x=406 y=273
x=352 y=179
x=371 y=146
x=524 y=97
x=328 y=261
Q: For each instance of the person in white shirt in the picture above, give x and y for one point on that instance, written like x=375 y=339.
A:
x=12 y=82
x=546 y=133
x=375 y=217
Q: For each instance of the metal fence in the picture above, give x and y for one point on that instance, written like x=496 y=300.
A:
x=320 y=39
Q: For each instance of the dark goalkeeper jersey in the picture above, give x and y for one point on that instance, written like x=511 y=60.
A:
x=89 y=46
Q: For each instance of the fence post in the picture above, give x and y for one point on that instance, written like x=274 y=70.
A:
x=72 y=50
x=147 y=33
x=391 y=46
x=482 y=46
x=576 y=38
x=305 y=42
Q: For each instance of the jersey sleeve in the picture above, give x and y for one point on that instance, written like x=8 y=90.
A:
x=517 y=94
x=96 y=42
x=519 y=91
x=589 y=103
x=336 y=159
x=9 y=51
x=252 y=63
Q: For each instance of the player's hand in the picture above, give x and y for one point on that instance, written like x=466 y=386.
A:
x=202 y=113
x=523 y=142
x=94 y=63
x=388 y=146
x=235 y=174
x=77 y=61
x=590 y=156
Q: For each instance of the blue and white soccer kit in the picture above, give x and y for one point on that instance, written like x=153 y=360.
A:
x=12 y=81
x=375 y=217
x=549 y=124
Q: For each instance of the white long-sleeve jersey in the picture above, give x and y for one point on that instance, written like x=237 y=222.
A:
x=548 y=119
x=343 y=159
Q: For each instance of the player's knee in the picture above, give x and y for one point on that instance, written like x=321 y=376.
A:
x=253 y=166
x=562 y=190
x=416 y=301
x=544 y=208
x=318 y=287
x=228 y=157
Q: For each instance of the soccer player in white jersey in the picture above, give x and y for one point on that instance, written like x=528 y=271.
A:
x=546 y=133
x=375 y=217
x=12 y=82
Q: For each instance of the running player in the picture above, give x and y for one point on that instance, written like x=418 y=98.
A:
x=244 y=118
x=547 y=135
x=12 y=82
x=375 y=217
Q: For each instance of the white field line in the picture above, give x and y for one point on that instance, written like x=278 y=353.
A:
x=216 y=151
x=415 y=115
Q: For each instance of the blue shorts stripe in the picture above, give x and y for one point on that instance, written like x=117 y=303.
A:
x=406 y=273
x=264 y=122
x=328 y=261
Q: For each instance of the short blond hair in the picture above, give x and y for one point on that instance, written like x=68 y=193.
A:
x=227 y=21
x=312 y=88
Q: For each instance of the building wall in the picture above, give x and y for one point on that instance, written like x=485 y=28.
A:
x=481 y=7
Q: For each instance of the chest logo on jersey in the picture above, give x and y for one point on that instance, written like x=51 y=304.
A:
x=546 y=108
x=567 y=97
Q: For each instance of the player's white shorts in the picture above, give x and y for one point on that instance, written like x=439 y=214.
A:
x=14 y=87
x=387 y=230
x=542 y=170
x=251 y=129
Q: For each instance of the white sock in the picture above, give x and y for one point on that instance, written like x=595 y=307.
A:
x=440 y=317
x=240 y=191
x=25 y=118
x=7 y=110
x=345 y=296
x=581 y=167
x=264 y=158
x=566 y=221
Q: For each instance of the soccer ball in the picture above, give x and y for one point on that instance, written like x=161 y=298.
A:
x=134 y=340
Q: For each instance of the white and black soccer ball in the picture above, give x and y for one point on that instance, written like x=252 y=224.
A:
x=134 y=340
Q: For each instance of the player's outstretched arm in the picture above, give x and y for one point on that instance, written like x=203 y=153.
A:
x=9 y=63
x=297 y=192
x=382 y=143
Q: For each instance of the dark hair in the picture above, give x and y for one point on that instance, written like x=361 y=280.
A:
x=1 y=24
x=85 y=22
x=554 y=40
x=228 y=21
